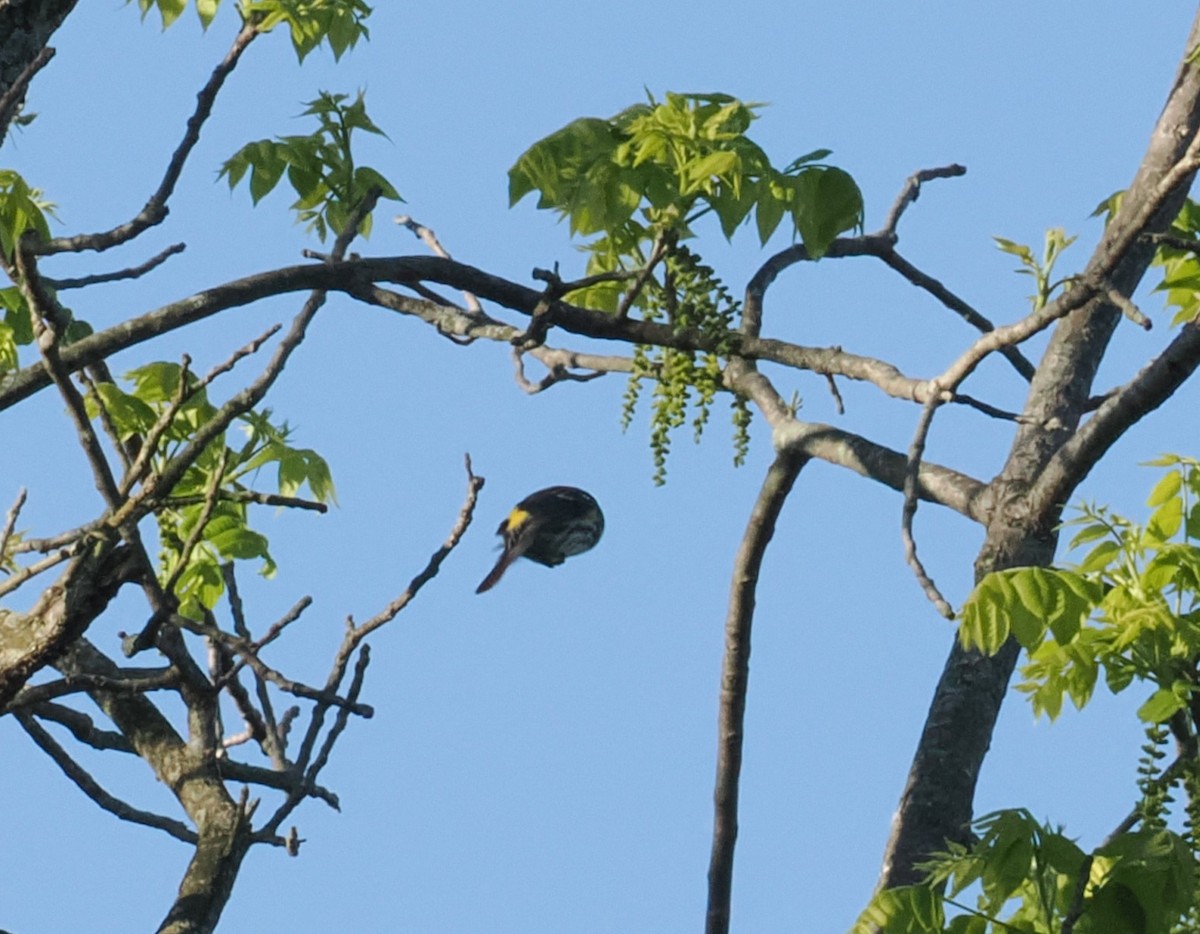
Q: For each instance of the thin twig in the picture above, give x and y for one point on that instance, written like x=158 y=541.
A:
x=141 y=464
x=912 y=190
x=735 y=677
x=340 y=721
x=657 y=252
x=50 y=323
x=155 y=209
x=429 y=238
x=1129 y=309
x=10 y=522
x=83 y=728
x=133 y=272
x=239 y=354
x=272 y=742
x=1173 y=242
x=197 y=532
x=556 y=373
x=355 y=635
x=837 y=396
x=909 y=510
x=393 y=609
x=249 y=496
x=980 y=322
x=130 y=681
x=106 y=420
x=19 y=577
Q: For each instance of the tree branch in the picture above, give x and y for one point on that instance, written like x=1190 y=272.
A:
x=132 y=272
x=155 y=209
x=1122 y=409
x=90 y=787
x=735 y=678
x=936 y=804
x=912 y=190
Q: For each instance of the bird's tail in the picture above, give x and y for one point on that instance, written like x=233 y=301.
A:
x=508 y=557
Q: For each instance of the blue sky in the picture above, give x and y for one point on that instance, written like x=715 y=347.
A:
x=542 y=756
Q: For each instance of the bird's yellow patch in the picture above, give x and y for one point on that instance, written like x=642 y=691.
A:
x=517 y=518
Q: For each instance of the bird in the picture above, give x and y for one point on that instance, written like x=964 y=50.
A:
x=548 y=527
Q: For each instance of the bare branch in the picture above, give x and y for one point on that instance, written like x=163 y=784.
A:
x=250 y=496
x=355 y=277
x=936 y=484
x=355 y=635
x=935 y=288
x=90 y=787
x=429 y=238
x=912 y=190
x=735 y=678
x=909 y=510
x=50 y=324
x=155 y=209
x=839 y=405
x=10 y=522
x=82 y=727
x=393 y=609
x=141 y=464
x=1121 y=409
x=557 y=373
x=106 y=421
x=657 y=252
x=133 y=272
x=127 y=681
x=1129 y=309
x=197 y=532
x=19 y=577
x=1173 y=242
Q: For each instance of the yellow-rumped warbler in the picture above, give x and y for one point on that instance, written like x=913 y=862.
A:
x=548 y=527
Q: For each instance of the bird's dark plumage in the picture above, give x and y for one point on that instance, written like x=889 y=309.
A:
x=548 y=527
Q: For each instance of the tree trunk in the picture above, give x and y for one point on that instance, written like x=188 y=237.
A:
x=25 y=28
x=936 y=805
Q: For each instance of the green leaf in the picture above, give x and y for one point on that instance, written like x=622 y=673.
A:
x=155 y=382
x=1160 y=706
x=1166 y=521
x=22 y=209
x=206 y=10
x=320 y=167
x=9 y=358
x=129 y=414
x=1143 y=880
x=1019 y=250
x=827 y=202
x=1099 y=558
x=769 y=213
x=800 y=161
x=1089 y=533
x=985 y=615
x=911 y=909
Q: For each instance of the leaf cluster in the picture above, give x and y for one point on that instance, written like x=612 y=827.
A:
x=22 y=208
x=1056 y=241
x=657 y=167
x=319 y=166
x=1181 y=268
x=340 y=23
x=205 y=521
x=637 y=183
x=1129 y=609
x=16 y=330
x=1030 y=877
